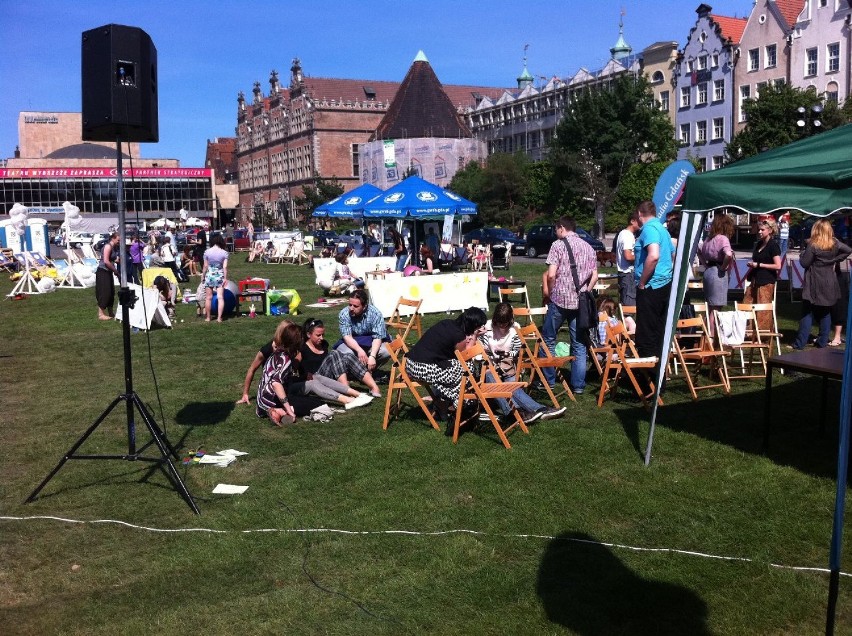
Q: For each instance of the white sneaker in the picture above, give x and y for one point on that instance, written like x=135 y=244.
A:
x=362 y=400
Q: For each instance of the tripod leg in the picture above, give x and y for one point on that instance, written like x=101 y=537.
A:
x=165 y=450
x=74 y=448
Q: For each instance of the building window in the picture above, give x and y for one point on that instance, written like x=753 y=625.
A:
x=770 y=59
x=684 y=133
x=702 y=164
x=664 y=101
x=811 y=62
x=701 y=93
x=745 y=94
x=356 y=168
x=714 y=60
x=833 y=53
x=757 y=89
x=657 y=77
x=823 y=3
x=690 y=66
x=702 y=62
x=753 y=59
x=700 y=131
x=718 y=90
x=831 y=92
x=718 y=127
x=684 y=97
x=718 y=161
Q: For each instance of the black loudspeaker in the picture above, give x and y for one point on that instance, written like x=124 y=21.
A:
x=119 y=68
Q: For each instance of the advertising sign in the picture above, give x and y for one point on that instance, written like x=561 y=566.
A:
x=670 y=186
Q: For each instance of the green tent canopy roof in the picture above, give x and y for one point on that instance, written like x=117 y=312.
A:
x=813 y=175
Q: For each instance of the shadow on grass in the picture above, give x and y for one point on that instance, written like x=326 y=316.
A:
x=583 y=586
x=204 y=413
x=737 y=421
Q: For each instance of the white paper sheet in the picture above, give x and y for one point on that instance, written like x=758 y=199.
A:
x=229 y=489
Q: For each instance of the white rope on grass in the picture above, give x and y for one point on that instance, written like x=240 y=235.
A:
x=421 y=533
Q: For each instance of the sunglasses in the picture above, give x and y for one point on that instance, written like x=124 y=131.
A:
x=313 y=324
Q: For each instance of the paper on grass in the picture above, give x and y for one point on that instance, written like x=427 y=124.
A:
x=229 y=489
x=232 y=452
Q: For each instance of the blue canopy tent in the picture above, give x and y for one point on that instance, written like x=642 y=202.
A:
x=417 y=198
x=349 y=204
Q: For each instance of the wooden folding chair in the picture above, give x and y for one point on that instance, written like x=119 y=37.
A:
x=529 y=313
x=403 y=323
x=600 y=354
x=766 y=335
x=535 y=356
x=474 y=387
x=399 y=382
x=627 y=311
x=743 y=339
x=693 y=348
x=624 y=359
x=507 y=294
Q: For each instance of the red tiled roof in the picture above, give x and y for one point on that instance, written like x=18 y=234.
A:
x=790 y=10
x=731 y=28
x=353 y=90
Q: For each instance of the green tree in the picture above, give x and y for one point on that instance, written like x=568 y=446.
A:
x=606 y=130
x=498 y=187
x=637 y=185
x=540 y=189
x=772 y=119
x=315 y=195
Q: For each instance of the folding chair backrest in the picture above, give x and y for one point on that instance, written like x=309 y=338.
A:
x=506 y=294
x=532 y=336
x=627 y=310
x=529 y=313
x=405 y=322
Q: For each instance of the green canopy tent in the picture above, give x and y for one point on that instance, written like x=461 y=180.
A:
x=813 y=175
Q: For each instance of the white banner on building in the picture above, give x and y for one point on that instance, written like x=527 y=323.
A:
x=447 y=230
x=390 y=154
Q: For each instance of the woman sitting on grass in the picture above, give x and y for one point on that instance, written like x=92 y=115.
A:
x=271 y=395
x=318 y=359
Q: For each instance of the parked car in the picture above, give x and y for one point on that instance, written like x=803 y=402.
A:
x=325 y=238
x=541 y=237
x=496 y=236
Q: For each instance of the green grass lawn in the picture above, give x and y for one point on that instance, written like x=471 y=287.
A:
x=440 y=539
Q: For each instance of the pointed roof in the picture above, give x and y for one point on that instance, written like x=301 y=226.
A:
x=730 y=28
x=621 y=49
x=421 y=108
x=790 y=10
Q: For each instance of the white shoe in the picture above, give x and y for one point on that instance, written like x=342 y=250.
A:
x=362 y=400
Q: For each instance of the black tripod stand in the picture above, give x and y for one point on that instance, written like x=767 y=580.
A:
x=127 y=299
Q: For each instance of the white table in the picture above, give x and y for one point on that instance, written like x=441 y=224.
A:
x=440 y=292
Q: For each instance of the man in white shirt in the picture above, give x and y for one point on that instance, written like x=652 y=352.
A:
x=624 y=259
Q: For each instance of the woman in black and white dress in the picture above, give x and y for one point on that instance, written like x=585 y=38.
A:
x=433 y=362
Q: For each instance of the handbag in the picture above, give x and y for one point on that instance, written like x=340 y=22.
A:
x=587 y=312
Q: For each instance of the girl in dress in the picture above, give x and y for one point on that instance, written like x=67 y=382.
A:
x=271 y=395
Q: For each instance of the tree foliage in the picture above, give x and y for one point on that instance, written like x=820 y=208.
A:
x=315 y=195
x=637 y=185
x=604 y=132
x=499 y=187
x=772 y=119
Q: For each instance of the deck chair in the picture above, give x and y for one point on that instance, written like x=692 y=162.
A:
x=399 y=382
x=737 y=333
x=535 y=356
x=766 y=335
x=404 y=323
x=624 y=359
x=474 y=387
x=693 y=348
x=8 y=262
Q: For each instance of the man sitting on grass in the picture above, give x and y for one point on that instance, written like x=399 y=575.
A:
x=362 y=331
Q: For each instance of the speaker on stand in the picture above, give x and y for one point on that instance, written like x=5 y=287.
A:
x=119 y=69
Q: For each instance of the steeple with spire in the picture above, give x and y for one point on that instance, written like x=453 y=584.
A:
x=621 y=49
x=525 y=79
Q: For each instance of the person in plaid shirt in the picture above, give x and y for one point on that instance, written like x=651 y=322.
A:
x=561 y=296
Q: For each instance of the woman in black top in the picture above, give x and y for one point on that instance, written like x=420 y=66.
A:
x=433 y=362
x=763 y=272
x=319 y=359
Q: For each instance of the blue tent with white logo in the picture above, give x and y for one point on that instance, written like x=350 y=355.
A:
x=349 y=204
x=417 y=198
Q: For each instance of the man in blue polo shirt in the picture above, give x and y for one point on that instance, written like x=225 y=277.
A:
x=653 y=271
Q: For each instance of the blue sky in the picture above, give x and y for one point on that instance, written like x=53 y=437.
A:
x=209 y=50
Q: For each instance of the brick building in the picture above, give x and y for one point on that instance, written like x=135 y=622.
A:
x=311 y=128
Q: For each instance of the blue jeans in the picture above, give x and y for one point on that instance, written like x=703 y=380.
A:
x=811 y=313
x=554 y=319
x=782 y=243
x=523 y=401
x=400 y=261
